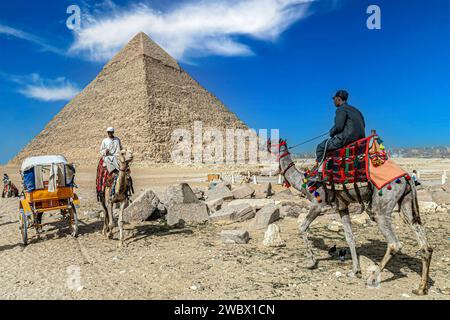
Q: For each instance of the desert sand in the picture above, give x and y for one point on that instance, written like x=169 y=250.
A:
x=159 y=262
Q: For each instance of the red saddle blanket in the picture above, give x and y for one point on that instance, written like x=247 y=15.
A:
x=361 y=161
x=104 y=178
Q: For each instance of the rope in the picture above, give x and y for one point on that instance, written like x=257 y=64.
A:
x=305 y=142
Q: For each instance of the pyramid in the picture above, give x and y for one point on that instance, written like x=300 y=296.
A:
x=145 y=95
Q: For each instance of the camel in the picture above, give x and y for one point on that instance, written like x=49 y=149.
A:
x=120 y=197
x=9 y=190
x=380 y=211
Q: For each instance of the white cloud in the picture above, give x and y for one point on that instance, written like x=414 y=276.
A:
x=197 y=28
x=35 y=87
x=9 y=31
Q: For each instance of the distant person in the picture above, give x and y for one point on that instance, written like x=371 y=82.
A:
x=349 y=126
x=415 y=179
x=110 y=150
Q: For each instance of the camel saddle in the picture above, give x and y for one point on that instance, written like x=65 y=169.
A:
x=350 y=164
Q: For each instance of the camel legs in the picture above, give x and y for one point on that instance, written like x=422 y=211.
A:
x=105 y=219
x=314 y=212
x=345 y=216
x=110 y=220
x=425 y=249
x=120 y=222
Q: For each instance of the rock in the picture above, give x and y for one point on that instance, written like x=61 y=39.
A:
x=243 y=192
x=284 y=211
x=424 y=195
x=262 y=190
x=272 y=237
x=365 y=263
x=302 y=203
x=219 y=183
x=200 y=194
x=338 y=274
x=291 y=211
x=441 y=209
x=239 y=212
x=194 y=287
x=334 y=226
x=255 y=203
x=180 y=193
x=141 y=208
x=215 y=204
x=219 y=192
x=283 y=195
x=187 y=213
x=361 y=219
x=427 y=206
x=234 y=236
x=267 y=215
x=162 y=208
x=441 y=197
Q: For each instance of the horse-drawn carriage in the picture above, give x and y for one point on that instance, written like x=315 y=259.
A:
x=48 y=183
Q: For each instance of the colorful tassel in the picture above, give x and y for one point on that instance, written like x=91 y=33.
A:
x=389 y=187
x=398 y=181
x=380 y=193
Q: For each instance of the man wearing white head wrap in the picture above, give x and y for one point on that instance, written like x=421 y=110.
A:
x=109 y=150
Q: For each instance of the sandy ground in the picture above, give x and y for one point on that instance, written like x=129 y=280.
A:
x=192 y=263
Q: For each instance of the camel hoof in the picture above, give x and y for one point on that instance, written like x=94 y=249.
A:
x=312 y=265
x=420 y=292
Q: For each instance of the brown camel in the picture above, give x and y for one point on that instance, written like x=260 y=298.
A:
x=121 y=196
x=380 y=210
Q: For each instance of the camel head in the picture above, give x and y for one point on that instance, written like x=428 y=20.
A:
x=125 y=158
x=279 y=148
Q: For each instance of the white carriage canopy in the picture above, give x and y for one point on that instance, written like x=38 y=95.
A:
x=50 y=172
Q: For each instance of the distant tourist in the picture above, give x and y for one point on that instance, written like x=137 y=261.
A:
x=414 y=177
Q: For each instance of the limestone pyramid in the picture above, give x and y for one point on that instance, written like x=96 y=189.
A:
x=145 y=95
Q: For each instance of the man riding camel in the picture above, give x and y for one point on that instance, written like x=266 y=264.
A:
x=349 y=126
x=110 y=150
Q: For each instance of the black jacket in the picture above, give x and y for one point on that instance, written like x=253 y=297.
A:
x=349 y=125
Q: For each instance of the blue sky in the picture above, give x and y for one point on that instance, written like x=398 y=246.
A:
x=275 y=63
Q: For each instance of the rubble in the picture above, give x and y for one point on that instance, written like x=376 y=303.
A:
x=142 y=207
x=267 y=215
x=272 y=237
x=215 y=204
x=234 y=236
x=187 y=213
x=180 y=193
x=255 y=203
x=219 y=192
x=243 y=192
x=263 y=190
x=239 y=212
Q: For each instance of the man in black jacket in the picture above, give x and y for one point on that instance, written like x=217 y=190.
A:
x=349 y=126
